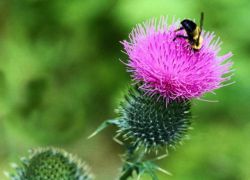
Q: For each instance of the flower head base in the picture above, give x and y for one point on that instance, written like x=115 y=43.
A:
x=148 y=123
x=51 y=163
x=172 y=68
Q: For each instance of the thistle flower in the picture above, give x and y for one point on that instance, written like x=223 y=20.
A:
x=148 y=123
x=51 y=164
x=171 y=68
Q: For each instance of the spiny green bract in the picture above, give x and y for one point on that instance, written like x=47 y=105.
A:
x=51 y=164
x=149 y=122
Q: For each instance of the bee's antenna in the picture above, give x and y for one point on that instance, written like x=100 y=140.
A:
x=201 y=25
x=201 y=20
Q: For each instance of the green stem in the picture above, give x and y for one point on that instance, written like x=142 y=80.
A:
x=127 y=174
x=129 y=168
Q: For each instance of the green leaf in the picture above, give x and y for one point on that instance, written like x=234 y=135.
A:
x=103 y=126
x=150 y=168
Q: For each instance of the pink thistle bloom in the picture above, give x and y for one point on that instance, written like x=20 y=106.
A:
x=172 y=68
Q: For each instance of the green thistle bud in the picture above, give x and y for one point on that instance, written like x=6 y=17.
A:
x=51 y=164
x=149 y=122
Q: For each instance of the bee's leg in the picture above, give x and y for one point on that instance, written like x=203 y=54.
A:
x=180 y=36
x=179 y=29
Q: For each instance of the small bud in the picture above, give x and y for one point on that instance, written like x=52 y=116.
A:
x=51 y=164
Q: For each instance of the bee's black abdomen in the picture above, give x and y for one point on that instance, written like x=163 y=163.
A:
x=188 y=25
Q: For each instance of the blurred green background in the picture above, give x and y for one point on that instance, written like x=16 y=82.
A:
x=60 y=77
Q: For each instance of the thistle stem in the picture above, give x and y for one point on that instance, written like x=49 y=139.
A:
x=126 y=174
x=130 y=163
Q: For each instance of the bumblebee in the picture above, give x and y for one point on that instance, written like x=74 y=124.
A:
x=193 y=32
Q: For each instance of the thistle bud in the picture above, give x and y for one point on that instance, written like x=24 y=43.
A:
x=149 y=122
x=51 y=164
